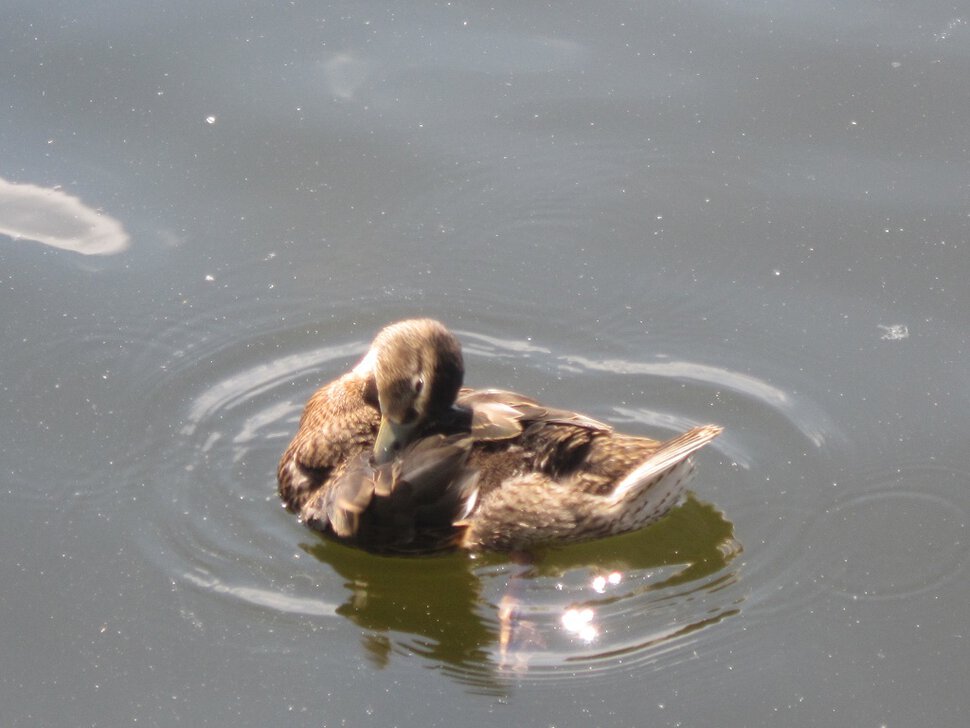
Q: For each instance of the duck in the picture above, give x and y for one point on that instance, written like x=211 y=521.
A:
x=397 y=456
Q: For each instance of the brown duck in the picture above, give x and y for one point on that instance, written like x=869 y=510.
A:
x=395 y=456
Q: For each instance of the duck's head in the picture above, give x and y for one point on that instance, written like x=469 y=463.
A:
x=418 y=370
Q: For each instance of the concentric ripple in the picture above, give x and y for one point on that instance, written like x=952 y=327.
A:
x=218 y=414
x=220 y=411
x=208 y=412
x=908 y=532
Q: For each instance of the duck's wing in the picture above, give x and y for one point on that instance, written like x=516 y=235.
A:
x=499 y=414
x=408 y=504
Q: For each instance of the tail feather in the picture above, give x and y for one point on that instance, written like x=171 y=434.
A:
x=668 y=455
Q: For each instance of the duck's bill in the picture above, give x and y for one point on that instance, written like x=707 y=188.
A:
x=391 y=437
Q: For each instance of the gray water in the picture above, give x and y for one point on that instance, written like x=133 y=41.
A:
x=662 y=214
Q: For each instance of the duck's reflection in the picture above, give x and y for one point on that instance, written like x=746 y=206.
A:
x=434 y=600
x=484 y=618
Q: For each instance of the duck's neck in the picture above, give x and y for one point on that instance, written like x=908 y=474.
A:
x=365 y=367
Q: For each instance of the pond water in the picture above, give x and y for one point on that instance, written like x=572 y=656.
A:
x=658 y=214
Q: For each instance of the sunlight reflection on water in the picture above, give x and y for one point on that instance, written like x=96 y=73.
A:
x=50 y=216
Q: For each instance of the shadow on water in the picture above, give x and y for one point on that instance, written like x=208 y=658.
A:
x=593 y=607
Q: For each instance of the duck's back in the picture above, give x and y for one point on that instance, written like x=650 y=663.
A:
x=559 y=445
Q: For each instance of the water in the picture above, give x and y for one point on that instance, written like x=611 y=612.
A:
x=657 y=215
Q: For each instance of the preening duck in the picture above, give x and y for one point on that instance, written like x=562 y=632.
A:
x=395 y=456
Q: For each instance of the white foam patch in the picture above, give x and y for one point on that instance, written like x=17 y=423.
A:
x=52 y=217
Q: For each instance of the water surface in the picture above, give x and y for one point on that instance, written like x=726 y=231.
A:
x=659 y=215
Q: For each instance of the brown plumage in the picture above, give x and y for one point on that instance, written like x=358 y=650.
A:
x=395 y=456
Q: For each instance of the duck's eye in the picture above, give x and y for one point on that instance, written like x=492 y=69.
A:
x=418 y=384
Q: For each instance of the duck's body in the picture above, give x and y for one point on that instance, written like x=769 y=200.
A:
x=394 y=456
